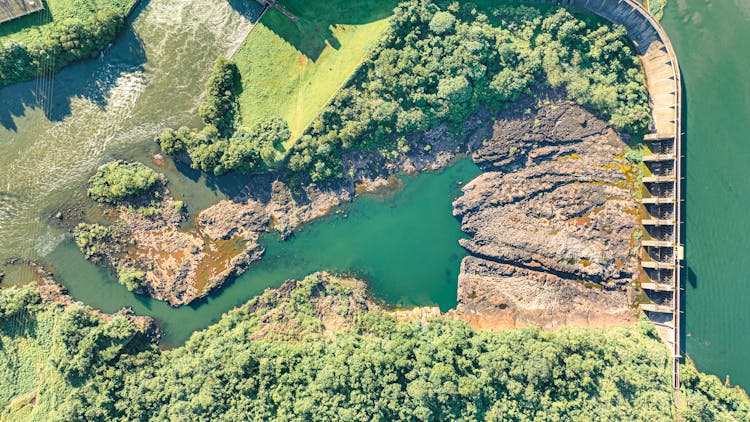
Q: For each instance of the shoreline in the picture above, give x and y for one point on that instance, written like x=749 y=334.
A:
x=229 y=216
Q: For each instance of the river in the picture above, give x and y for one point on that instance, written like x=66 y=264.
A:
x=711 y=40
x=389 y=241
x=53 y=134
x=52 y=137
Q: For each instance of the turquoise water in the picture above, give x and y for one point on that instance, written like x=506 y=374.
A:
x=712 y=40
x=405 y=245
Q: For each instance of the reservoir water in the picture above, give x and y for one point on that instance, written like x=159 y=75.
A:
x=52 y=137
x=711 y=40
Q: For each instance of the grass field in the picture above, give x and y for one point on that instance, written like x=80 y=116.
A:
x=294 y=69
x=29 y=28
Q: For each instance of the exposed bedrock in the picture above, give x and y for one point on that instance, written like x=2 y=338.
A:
x=551 y=223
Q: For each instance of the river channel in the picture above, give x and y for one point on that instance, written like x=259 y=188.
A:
x=53 y=136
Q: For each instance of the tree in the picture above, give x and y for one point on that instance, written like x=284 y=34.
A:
x=131 y=278
x=120 y=180
x=90 y=237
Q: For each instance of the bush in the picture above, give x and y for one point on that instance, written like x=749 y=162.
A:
x=89 y=238
x=120 y=180
x=442 y=22
x=131 y=278
x=172 y=142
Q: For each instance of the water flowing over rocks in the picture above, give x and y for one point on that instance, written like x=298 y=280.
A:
x=551 y=223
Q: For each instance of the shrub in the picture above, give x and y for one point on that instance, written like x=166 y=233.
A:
x=442 y=22
x=89 y=237
x=131 y=278
x=119 y=180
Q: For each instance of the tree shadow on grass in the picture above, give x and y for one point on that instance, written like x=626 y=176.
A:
x=313 y=32
x=90 y=79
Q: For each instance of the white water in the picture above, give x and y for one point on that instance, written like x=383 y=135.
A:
x=113 y=106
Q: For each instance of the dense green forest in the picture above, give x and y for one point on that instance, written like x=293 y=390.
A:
x=440 y=61
x=437 y=63
x=318 y=350
x=43 y=50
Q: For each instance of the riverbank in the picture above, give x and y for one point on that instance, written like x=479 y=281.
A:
x=38 y=45
x=335 y=349
x=590 y=282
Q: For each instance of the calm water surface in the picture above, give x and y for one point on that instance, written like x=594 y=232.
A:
x=406 y=246
x=712 y=40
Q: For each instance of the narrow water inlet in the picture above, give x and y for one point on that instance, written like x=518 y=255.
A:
x=405 y=245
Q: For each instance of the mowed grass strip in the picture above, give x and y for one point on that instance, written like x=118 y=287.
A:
x=30 y=28
x=294 y=69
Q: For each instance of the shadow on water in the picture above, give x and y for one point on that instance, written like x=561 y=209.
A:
x=91 y=79
x=231 y=185
x=248 y=9
x=313 y=32
x=685 y=269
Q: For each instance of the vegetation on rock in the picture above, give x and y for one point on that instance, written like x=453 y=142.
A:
x=283 y=356
x=131 y=278
x=120 y=180
x=89 y=237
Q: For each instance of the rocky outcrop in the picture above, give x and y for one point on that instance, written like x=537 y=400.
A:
x=505 y=296
x=335 y=303
x=551 y=223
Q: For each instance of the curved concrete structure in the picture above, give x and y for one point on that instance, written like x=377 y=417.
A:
x=661 y=263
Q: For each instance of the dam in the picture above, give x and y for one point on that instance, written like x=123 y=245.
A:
x=661 y=245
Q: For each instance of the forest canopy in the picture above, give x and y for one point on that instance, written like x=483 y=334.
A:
x=441 y=61
x=280 y=358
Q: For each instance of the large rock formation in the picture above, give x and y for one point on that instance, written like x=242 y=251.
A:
x=551 y=223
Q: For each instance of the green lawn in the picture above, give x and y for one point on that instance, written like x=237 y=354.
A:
x=294 y=69
x=28 y=28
